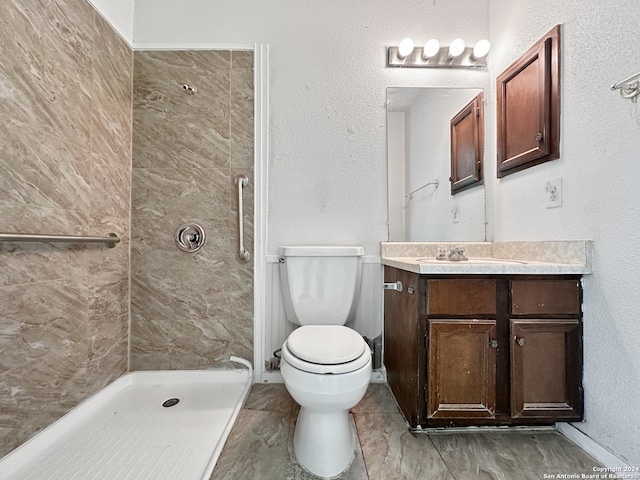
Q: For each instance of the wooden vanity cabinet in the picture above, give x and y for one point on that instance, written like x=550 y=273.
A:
x=484 y=350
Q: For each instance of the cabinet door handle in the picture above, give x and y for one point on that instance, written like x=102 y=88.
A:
x=520 y=341
x=493 y=343
x=539 y=137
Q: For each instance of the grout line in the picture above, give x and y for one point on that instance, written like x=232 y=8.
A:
x=364 y=459
x=441 y=457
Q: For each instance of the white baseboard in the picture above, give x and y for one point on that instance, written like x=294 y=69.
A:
x=272 y=377
x=379 y=376
x=590 y=446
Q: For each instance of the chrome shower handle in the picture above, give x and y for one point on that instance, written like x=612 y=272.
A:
x=190 y=237
x=244 y=256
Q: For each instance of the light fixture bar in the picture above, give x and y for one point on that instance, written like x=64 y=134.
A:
x=441 y=60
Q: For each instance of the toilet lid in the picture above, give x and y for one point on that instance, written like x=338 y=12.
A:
x=326 y=344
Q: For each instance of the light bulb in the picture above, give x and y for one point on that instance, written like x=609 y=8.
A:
x=456 y=48
x=405 y=48
x=481 y=49
x=431 y=48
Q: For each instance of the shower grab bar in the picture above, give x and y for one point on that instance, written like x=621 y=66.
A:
x=109 y=240
x=243 y=254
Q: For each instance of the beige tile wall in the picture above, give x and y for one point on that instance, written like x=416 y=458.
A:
x=65 y=161
x=190 y=310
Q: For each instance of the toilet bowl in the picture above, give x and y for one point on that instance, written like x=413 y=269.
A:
x=326 y=369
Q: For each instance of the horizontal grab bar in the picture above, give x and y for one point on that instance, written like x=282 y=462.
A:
x=629 y=87
x=626 y=82
x=109 y=240
x=409 y=196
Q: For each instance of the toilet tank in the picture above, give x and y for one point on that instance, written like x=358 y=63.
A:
x=320 y=285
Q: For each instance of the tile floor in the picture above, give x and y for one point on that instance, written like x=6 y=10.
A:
x=260 y=446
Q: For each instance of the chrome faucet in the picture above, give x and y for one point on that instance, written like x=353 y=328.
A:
x=456 y=254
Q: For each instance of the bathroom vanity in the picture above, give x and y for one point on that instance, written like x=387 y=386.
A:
x=485 y=342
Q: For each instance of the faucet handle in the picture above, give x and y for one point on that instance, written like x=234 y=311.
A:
x=457 y=253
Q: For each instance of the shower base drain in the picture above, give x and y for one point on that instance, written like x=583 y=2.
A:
x=171 y=402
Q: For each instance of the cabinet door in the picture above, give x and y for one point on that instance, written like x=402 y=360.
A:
x=546 y=369
x=461 y=369
x=467 y=146
x=528 y=107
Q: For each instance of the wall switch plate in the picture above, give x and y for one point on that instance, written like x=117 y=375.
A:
x=455 y=215
x=553 y=193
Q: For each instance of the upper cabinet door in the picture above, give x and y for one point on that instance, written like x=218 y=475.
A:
x=528 y=107
x=467 y=146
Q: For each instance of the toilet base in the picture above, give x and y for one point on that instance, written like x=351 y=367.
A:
x=323 y=441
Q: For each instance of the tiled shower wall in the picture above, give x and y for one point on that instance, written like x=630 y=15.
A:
x=190 y=310
x=65 y=161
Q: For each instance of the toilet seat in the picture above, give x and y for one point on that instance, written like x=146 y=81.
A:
x=326 y=349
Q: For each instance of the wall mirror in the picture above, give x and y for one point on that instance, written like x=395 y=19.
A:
x=421 y=205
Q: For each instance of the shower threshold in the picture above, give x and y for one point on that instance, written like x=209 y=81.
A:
x=145 y=425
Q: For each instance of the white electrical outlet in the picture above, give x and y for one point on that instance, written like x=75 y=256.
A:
x=455 y=215
x=553 y=193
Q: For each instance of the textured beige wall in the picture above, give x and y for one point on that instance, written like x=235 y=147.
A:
x=190 y=310
x=65 y=143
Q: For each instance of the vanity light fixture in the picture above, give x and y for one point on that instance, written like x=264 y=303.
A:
x=456 y=48
x=481 y=49
x=405 y=48
x=431 y=49
x=456 y=55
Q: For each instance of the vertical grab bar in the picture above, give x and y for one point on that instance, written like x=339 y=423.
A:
x=243 y=254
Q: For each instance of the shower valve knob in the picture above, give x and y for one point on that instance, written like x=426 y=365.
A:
x=190 y=237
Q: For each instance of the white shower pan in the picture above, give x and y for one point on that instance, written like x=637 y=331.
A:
x=125 y=432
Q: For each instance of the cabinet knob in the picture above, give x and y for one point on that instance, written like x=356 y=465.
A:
x=520 y=341
x=493 y=343
x=538 y=137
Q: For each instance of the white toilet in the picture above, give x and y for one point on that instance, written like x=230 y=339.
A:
x=326 y=366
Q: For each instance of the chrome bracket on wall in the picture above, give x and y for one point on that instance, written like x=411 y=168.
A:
x=629 y=87
x=190 y=237
x=397 y=286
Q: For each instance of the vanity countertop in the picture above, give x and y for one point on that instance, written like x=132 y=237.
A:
x=483 y=266
x=497 y=258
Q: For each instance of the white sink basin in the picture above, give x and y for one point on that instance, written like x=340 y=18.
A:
x=471 y=261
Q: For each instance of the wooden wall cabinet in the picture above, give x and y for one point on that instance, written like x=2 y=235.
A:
x=528 y=107
x=467 y=146
x=484 y=350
